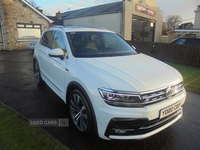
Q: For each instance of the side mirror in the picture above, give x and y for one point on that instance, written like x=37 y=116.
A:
x=133 y=47
x=57 y=52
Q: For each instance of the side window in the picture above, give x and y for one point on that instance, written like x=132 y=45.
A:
x=58 y=41
x=46 y=39
x=180 y=41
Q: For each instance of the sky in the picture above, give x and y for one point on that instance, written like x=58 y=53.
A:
x=184 y=8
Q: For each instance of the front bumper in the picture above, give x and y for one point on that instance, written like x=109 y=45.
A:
x=137 y=123
x=118 y=128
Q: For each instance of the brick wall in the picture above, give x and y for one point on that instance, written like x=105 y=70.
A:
x=15 y=12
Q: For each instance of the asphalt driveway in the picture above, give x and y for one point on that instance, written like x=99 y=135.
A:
x=19 y=91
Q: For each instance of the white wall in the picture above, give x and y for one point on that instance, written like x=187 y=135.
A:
x=109 y=21
x=197 y=19
x=164 y=39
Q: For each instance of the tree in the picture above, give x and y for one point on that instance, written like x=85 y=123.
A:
x=173 y=21
x=46 y=13
x=33 y=3
x=165 y=28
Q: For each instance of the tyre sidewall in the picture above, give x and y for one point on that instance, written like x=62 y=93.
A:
x=90 y=126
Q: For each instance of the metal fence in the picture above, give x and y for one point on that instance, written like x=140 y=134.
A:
x=174 y=53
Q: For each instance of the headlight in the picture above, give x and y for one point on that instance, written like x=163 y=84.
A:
x=119 y=98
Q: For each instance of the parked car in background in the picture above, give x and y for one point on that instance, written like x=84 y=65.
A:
x=108 y=87
x=31 y=45
x=187 y=41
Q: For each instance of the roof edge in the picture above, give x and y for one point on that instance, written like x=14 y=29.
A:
x=183 y=30
x=92 y=15
x=65 y=15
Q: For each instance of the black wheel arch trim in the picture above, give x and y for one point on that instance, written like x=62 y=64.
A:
x=34 y=59
x=73 y=85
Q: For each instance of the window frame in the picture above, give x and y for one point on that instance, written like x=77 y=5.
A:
x=1 y=34
x=54 y=33
x=49 y=45
x=65 y=52
x=26 y=26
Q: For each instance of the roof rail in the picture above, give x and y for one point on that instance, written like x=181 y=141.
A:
x=61 y=27
x=101 y=28
x=85 y=27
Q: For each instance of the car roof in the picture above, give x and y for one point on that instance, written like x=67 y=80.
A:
x=187 y=38
x=80 y=29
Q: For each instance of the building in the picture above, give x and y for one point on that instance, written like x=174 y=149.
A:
x=188 y=25
x=138 y=20
x=20 y=23
x=185 y=29
x=57 y=20
x=197 y=18
x=172 y=35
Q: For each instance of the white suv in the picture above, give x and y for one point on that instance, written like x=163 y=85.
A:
x=108 y=87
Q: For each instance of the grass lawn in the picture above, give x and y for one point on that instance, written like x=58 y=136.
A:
x=15 y=133
x=191 y=76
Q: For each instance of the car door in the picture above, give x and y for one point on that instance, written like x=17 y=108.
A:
x=58 y=72
x=193 y=41
x=44 y=47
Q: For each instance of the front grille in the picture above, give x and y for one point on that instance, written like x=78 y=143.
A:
x=154 y=96
x=158 y=95
x=177 y=88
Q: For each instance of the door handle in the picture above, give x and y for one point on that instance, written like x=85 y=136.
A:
x=66 y=69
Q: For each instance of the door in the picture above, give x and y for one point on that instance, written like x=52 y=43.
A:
x=44 y=48
x=58 y=72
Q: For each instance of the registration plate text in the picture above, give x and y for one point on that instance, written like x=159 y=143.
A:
x=169 y=110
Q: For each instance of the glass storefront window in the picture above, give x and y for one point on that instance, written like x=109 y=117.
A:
x=142 y=30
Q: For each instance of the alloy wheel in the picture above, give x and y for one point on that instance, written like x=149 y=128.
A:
x=37 y=72
x=78 y=112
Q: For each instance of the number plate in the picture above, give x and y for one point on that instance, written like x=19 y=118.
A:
x=169 y=110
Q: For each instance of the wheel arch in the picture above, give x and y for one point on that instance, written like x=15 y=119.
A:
x=34 y=59
x=75 y=85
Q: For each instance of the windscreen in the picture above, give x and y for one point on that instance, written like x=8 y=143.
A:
x=98 y=44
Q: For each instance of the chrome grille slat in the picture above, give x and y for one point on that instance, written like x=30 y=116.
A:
x=153 y=101
x=145 y=97
x=158 y=95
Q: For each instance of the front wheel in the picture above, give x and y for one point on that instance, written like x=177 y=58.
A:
x=36 y=69
x=80 y=112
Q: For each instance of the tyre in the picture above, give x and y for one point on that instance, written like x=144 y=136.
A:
x=80 y=112
x=37 y=74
